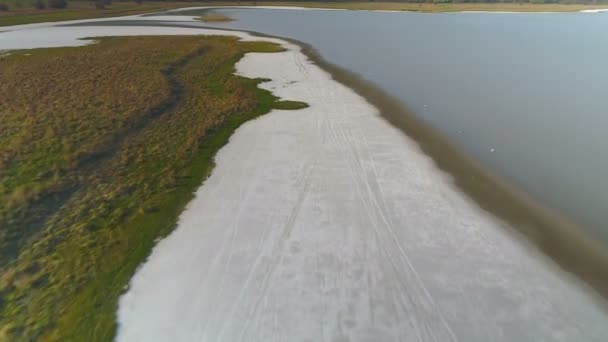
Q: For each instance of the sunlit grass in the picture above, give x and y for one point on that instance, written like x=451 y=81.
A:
x=101 y=148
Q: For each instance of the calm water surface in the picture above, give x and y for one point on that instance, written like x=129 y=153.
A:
x=524 y=94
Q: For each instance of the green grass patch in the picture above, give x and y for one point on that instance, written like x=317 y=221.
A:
x=102 y=148
x=290 y=105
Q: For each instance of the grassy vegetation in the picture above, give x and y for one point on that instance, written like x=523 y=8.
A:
x=22 y=11
x=101 y=148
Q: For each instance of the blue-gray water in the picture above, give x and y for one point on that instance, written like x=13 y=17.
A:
x=524 y=94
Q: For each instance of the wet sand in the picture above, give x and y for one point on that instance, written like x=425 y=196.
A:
x=328 y=223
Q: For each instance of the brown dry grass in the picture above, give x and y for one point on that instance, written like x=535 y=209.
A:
x=423 y=6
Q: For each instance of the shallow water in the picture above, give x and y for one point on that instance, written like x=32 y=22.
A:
x=524 y=94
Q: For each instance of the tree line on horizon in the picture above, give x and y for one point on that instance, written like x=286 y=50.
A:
x=101 y=4
x=5 y=5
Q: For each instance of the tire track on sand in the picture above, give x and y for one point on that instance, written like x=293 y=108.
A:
x=367 y=189
x=275 y=256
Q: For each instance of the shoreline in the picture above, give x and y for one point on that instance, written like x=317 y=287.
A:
x=549 y=231
x=373 y=7
x=238 y=269
x=185 y=9
x=599 y=9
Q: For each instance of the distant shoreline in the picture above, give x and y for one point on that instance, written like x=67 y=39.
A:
x=397 y=7
x=554 y=234
x=26 y=14
x=179 y=247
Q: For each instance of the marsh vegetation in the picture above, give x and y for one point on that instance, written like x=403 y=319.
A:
x=101 y=148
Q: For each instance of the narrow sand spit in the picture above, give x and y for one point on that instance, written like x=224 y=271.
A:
x=57 y=36
x=329 y=224
x=600 y=10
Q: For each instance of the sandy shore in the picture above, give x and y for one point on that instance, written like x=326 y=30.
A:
x=177 y=10
x=329 y=224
